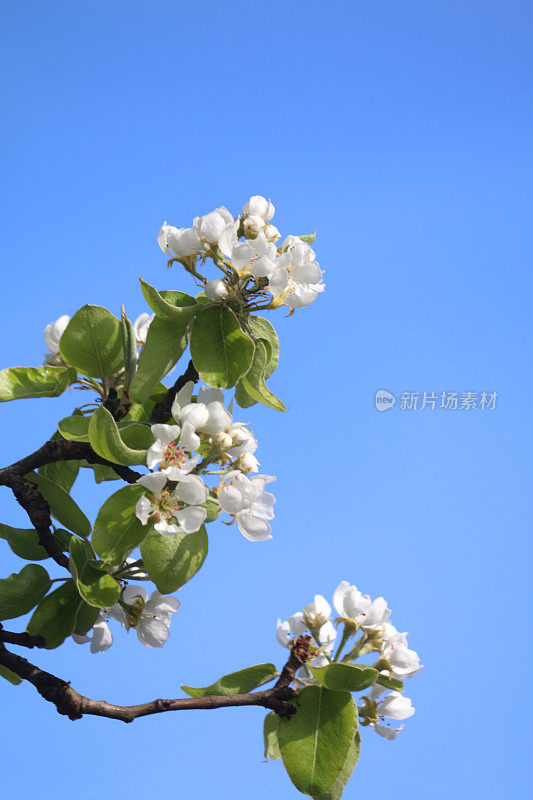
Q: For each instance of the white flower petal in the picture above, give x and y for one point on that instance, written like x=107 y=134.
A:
x=131 y=593
x=155 y=482
x=152 y=632
x=191 y=490
x=253 y=528
x=143 y=509
x=387 y=733
x=191 y=518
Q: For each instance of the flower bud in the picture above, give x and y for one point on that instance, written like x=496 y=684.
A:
x=246 y=462
x=260 y=206
x=252 y=225
x=271 y=233
x=210 y=226
x=223 y=440
x=239 y=436
x=216 y=289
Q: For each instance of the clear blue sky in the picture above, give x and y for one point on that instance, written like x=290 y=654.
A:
x=402 y=132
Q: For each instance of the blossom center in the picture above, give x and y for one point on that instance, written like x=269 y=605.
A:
x=173 y=456
x=164 y=506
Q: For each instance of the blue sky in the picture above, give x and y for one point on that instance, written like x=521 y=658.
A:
x=401 y=131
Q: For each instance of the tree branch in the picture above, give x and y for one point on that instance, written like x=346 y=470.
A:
x=162 y=410
x=32 y=501
x=64 y=450
x=74 y=705
x=22 y=639
x=29 y=496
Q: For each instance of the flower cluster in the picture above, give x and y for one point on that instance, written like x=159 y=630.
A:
x=245 y=250
x=204 y=433
x=150 y=616
x=359 y=614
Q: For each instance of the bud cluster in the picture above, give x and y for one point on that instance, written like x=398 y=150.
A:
x=359 y=614
x=245 y=250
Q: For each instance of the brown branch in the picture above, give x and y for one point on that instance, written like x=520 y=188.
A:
x=162 y=410
x=74 y=705
x=29 y=496
x=32 y=501
x=22 y=639
x=64 y=450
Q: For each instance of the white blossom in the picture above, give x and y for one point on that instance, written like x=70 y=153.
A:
x=210 y=226
x=101 y=639
x=150 y=616
x=176 y=512
x=298 y=280
x=140 y=327
x=403 y=662
x=52 y=336
x=169 y=453
x=358 y=608
x=216 y=290
x=317 y=613
x=180 y=242
x=252 y=226
x=245 y=499
x=246 y=463
x=394 y=706
x=259 y=206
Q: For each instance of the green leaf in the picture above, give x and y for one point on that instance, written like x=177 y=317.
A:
x=62 y=472
x=86 y=616
x=236 y=682
x=270 y=736
x=315 y=742
x=262 y=329
x=242 y=398
x=62 y=506
x=10 y=676
x=96 y=586
x=133 y=434
x=141 y=412
x=92 y=342
x=129 y=349
x=18 y=383
x=22 y=591
x=390 y=683
x=335 y=792
x=24 y=542
x=308 y=238
x=253 y=382
x=117 y=531
x=220 y=351
x=101 y=472
x=74 y=428
x=213 y=509
x=105 y=439
x=345 y=677
x=55 y=616
x=136 y=435
x=170 y=305
x=171 y=561
x=165 y=342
